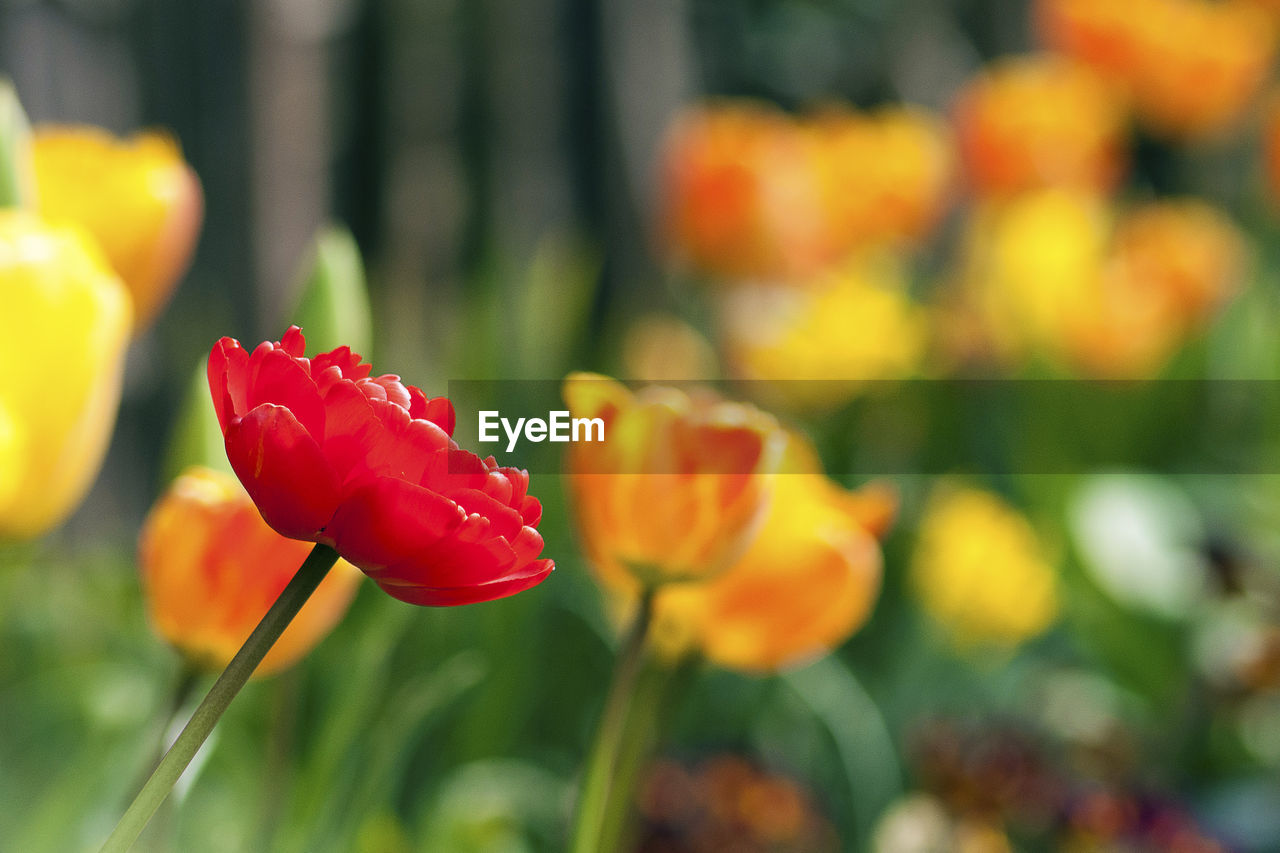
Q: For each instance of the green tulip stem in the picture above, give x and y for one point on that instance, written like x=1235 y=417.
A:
x=184 y=749
x=601 y=780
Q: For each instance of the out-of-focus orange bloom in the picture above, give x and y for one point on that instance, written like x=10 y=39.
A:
x=818 y=345
x=674 y=491
x=1190 y=66
x=885 y=177
x=728 y=803
x=211 y=567
x=137 y=196
x=1056 y=273
x=807 y=582
x=980 y=570
x=740 y=199
x=750 y=193
x=1040 y=121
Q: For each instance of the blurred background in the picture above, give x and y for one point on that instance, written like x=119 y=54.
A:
x=511 y=174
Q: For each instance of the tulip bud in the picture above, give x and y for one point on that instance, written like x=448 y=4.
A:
x=63 y=333
x=673 y=492
x=138 y=197
x=211 y=567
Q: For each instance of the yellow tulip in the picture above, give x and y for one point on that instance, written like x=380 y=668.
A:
x=211 y=567
x=820 y=344
x=980 y=570
x=64 y=326
x=674 y=491
x=807 y=582
x=137 y=196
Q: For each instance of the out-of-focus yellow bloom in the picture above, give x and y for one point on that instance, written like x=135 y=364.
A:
x=675 y=491
x=852 y=325
x=12 y=451
x=137 y=196
x=1057 y=273
x=885 y=177
x=63 y=331
x=1191 y=67
x=807 y=582
x=211 y=568
x=667 y=349
x=750 y=193
x=1040 y=121
x=980 y=570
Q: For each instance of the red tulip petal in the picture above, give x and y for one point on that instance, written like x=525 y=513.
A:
x=227 y=371
x=351 y=429
x=276 y=378
x=455 y=596
x=384 y=521
x=531 y=510
x=504 y=520
x=394 y=390
x=283 y=470
x=294 y=343
x=347 y=362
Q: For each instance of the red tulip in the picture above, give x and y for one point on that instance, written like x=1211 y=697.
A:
x=367 y=466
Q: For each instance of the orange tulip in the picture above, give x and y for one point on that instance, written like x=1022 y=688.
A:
x=1191 y=67
x=739 y=198
x=807 y=582
x=751 y=193
x=1033 y=122
x=211 y=567
x=138 y=197
x=885 y=177
x=673 y=492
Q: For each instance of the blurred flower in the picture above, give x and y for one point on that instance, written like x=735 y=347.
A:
x=980 y=570
x=750 y=193
x=1140 y=539
x=660 y=348
x=1191 y=67
x=211 y=567
x=674 y=491
x=63 y=333
x=885 y=177
x=1055 y=273
x=807 y=582
x=367 y=466
x=727 y=803
x=920 y=824
x=819 y=345
x=1040 y=121
x=996 y=772
x=138 y=197
x=739 y=196
x=1106 y=820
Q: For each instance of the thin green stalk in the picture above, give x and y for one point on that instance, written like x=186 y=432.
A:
x=659 y=688
x=175 y=761
x=599 y=782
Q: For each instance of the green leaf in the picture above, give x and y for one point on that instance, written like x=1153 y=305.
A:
x=17 y=177
x=333 y=306
x=197 y=438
